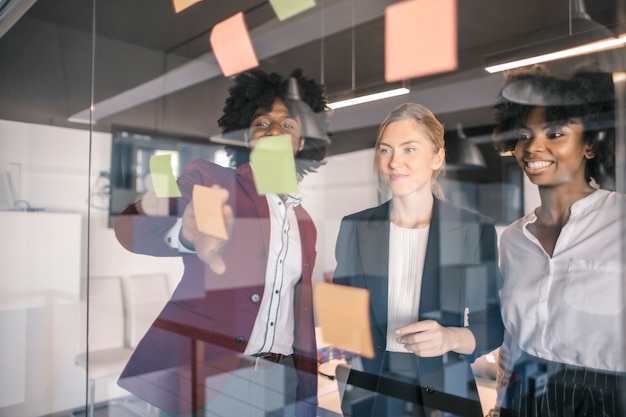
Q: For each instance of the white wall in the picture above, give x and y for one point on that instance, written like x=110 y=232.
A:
x=343 y=186
x=50 y=170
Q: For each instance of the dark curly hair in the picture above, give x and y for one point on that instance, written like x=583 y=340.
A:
x=587 y=93
x=256 y=89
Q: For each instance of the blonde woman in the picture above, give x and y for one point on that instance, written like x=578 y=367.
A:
x=420 y=258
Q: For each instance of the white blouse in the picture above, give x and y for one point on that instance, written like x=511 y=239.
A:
x=407 y=251
x=569 y=307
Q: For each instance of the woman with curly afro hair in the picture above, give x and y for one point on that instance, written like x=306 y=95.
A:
x=562 y=300
x=237 y=336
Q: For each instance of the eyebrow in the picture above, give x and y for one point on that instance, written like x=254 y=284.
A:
x=267 y=113
x=408 y=142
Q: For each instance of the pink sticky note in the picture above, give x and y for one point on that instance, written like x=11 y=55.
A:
x=232 y=46
x=420 y=38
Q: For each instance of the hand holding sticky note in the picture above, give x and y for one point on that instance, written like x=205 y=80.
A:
x=208 y=203
x=162 y=176
x=273 y=165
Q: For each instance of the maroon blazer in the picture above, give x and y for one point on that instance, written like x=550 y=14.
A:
x=219 y=309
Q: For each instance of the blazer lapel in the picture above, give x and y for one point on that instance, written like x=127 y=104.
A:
x=262 y=211
x=373 y=240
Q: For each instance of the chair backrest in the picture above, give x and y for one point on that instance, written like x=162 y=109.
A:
x=106 y=313
x=146 y=295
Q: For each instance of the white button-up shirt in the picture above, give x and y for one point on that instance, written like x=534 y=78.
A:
x=569 y=307
x=274 y=325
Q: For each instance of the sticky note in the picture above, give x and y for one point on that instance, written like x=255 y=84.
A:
x=285 y=9
x=232 y=46
x=162 y=176
x=420 y=38
x=273 y=165
x=342 y=314
x=207 y=205
x=180 y=5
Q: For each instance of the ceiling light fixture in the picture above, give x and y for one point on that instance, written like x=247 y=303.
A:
x=370 y=97
x=588 y=48
x=577 y=36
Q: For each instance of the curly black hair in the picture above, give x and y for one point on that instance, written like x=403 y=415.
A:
x=587 y=93
x=256 y=89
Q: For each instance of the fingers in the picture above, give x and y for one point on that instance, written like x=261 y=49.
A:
x=424 y=338
x=417 y=327
x=152 y=205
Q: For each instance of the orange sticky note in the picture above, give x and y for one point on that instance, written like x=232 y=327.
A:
x=180 y=5
x=232 y=46
x=207 y=204
x=342 y=314
x=420 y=38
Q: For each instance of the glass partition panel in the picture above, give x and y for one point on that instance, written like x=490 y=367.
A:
x=45 y=178
x=134 y=285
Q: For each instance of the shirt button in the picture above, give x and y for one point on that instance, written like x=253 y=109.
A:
x=276 y=292
x=271 y=323
x=255 y=298
x=240 y=340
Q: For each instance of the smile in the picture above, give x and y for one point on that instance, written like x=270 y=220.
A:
x=535 y=167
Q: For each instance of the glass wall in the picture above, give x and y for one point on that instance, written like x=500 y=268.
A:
x=103 y=103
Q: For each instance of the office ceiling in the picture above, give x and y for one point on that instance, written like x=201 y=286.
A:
x=152 y=67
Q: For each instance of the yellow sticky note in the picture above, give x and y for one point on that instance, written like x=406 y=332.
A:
x=342 y=314
x=420 y=38
x=273 y=165
x=162 y=176
x=285 y=9
x=207 y=204
x=180 y=5
x=232 y=46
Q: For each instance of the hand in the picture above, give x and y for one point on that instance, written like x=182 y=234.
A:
x=152 y=205
x=208 y=247
x=428 y=339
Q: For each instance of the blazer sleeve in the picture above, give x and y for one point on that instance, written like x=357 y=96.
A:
x=346 y=253
x=144 y=234
x=487 y=325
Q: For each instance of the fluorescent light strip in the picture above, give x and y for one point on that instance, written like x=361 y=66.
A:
x=368 y=98
x=587 y=48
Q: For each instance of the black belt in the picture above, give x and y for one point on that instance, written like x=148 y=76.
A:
x=271 y=357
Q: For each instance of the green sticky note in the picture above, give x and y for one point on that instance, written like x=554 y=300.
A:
x=162 y=177
x=285 y=9
x=273 y=165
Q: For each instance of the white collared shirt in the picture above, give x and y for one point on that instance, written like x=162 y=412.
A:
x=569 y=307
x=274 y=326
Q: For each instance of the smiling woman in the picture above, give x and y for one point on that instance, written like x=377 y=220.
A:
x=562 y=262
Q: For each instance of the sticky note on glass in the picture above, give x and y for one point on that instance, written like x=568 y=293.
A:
x=273 y=165
x=232 y=46
x=342 y=314
x=285 y=9
x=420 y=38
x=180 y=5
x=162 y=176
x=207 y=205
